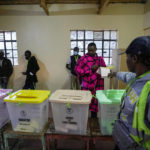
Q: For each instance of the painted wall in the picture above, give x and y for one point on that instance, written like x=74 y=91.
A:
x=147 y=6
x=48 y=37
x=147 y=18
x=147 y=32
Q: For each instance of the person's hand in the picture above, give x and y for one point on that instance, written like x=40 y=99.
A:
x=24 y=73
x=112 y=74
x=94 y=68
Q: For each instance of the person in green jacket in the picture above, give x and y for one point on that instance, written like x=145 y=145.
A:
x=132 y=128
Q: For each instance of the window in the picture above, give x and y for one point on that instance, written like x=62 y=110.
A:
x=8 y=43
x=105 y=40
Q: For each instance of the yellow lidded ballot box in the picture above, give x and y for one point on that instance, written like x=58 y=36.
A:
x=28 y=110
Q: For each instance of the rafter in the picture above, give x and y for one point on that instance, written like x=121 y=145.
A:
x=18 y=2
x=126 y=1
x=72 y=1
x=44 y=6
x=103 y=4
x=30 y=2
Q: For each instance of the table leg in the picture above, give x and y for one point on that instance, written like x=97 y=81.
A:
x=1 y=141
x=6 y=142
x=48 y=142
x=87 y=144
x=43 y=142
x=55 y=143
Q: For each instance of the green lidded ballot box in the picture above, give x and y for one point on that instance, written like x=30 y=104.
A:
x=109 y=106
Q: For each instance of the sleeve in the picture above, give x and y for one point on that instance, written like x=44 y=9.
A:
x=82 y=68
x=69 y=61
x=33 y=66
x=68 y=64
x=125 y=76
x=36 y=66
x=10 y=68
x=102 y=62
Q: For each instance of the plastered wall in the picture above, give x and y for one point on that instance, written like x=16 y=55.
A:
x=48 y=37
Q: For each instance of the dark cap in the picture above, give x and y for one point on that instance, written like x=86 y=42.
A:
x=139 y=46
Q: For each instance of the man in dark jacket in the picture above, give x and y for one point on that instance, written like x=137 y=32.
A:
x=75 y=84
x=6 y=70
x=32 y=68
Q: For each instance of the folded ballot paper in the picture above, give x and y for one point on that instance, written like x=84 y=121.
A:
x=104 y=71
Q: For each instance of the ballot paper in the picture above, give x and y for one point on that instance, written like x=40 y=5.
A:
x=104 y=71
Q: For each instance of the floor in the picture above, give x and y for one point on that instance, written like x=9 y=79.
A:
x=66 y=145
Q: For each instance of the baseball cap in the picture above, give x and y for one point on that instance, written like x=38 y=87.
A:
x=139 y=46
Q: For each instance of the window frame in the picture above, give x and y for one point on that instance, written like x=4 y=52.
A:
x=103 y=40
x=11 y=40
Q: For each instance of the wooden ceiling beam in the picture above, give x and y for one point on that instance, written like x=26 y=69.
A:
x=126 y=1
x=44 y=6
x=32 y=2
x=103 y=4
x=72 y=1
x=18 y=2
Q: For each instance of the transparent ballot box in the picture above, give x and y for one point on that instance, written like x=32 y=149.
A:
x=28 y=110
x=109 y=106
x=70 y=110
x=4 y=117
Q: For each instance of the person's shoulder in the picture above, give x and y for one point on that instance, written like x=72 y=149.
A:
x=7 y=60
x=86 y=55
x=100 y=57
x=83 y=57
x=96 y=55
x=33 y=58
